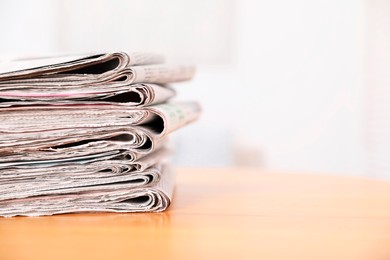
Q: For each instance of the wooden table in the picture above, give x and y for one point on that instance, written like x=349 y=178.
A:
x=223 y=214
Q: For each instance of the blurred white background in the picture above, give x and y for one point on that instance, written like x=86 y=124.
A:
x=285 y=85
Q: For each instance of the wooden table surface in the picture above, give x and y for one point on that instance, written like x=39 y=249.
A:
x=223 y=214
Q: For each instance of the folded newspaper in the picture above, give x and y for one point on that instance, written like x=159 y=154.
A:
x=88 y=133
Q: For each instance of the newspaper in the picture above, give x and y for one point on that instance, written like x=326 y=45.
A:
x=85 y=133
x=119 y=78
x=160 y=119
x=79 y=154
x=108 y=70
x=74 y=131
x=136 y=95
x=107 y=198
x=80 y=177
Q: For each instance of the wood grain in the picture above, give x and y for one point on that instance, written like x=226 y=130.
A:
x=223 y=213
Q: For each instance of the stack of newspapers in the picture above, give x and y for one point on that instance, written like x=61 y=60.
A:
x=88 y=133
